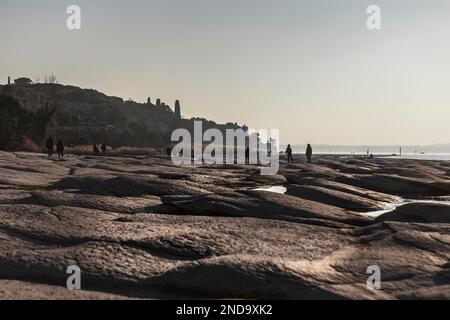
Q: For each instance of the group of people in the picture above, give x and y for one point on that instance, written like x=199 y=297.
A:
x=288 y=152
x=50 y=145
x=290 y=158
x=96 y=150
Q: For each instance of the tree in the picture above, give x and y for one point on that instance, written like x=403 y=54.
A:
x=40 y=116
x=39 y=121
x=23 y=81
x=12 y=120
x=17 y=122
x=178 y=109
x=50 y=79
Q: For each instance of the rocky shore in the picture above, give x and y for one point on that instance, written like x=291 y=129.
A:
x=140 y=227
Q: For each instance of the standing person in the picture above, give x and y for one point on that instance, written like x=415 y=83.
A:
x=247 y=155
x=104 y=148
x=60 y=148
x=95 y=150
x=309 y=153
x=289 y=154
x=49 y=145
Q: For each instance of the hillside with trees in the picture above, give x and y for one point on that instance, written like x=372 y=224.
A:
x=87 y=116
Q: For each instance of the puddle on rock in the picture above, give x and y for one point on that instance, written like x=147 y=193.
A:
x=274 y=189
x=393 y=206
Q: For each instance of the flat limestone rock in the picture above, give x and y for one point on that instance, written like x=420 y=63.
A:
x=21 y=290
x=141 y=227
x=335 y=198
x=266 y=205
x=105 y=203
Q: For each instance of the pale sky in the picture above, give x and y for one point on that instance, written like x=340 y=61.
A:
x=309 y=68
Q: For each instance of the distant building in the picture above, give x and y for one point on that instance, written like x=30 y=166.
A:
x=178 y=109
x=22 y=81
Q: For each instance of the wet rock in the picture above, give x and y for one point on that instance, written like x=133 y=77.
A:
x=398 y=185
x=419 y=212
x=335 y=198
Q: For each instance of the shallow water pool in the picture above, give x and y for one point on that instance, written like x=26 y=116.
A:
x=392 y=206
x=274 y=189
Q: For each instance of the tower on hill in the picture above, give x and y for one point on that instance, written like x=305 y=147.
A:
x=178 y=109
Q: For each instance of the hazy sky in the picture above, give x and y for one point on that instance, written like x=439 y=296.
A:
x=310 y=68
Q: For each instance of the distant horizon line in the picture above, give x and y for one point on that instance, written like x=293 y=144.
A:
x=370 y=145
x=364 y=147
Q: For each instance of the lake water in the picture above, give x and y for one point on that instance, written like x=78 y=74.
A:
x=274 y=189
x=431 y=156
x=414 y=156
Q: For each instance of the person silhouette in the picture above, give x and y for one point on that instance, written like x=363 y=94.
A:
x=49 y=145
x=60 y=148
x=95 y=150
x=289 y=154
x=247 y=155
x=309 y=153
x=104 y=147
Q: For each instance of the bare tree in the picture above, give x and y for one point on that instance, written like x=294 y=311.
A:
x=50 y=79
x=12 y=118
x=40 y=116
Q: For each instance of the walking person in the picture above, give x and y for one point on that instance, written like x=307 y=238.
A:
x=60 y=148
x=49 y=145
x=247 y=155
x=289 y=154
x=309 y=153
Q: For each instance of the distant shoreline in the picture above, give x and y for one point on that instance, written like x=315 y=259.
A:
x=409 y=156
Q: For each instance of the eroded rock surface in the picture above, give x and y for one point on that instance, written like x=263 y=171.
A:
x=139 y=227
